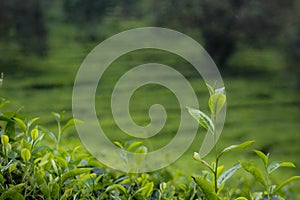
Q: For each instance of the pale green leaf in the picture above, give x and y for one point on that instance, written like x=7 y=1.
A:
x=32 y=121
x=216 y=102
x=228 y=174
x=133 y=145
x=206 y=187
x=146 y=190
x=197 y=157
x=263 y=157
x=70 y=123
x=74 y=172
x=255 y=171
x=275 y=165
x=284 y=183
x=118 y=187
x=236 y=146
x=202 y=118
x=210 y=89
x=118 y=144
x=21 y=124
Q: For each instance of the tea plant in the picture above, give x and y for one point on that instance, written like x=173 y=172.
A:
x=32 y=168
x=263 y=176
x=214 y=179
x=213 y=182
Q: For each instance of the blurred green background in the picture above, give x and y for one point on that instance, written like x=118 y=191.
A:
x=255 y=44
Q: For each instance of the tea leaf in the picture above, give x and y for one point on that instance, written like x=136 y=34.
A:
x=25 y=154
x=146 y=190
x=21 y=124
x=202 y=118
x=291 y=179
x=206 y=188
x=198 y=158
x=73 y=173
x=133 y=145
x=227 y=174
x=67 y=194
x=237 y=146
x=210 y=89
x=11 y=191
x=275 y=165
x=70 y=123
x=264 y=157
x=255 y=171
x=216 y=102
x=118 y=187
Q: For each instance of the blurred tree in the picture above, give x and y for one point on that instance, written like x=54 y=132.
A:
x=23 y=23
x=291 y=41
x=87 y=14
x=226 y=24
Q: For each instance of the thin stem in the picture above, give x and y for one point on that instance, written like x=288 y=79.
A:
x=58 y=135
x=216 y=154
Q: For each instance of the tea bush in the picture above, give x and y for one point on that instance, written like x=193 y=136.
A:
x=31 y=168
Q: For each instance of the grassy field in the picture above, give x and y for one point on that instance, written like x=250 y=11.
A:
x=263 y=104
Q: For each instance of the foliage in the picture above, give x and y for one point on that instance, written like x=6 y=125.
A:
x=213 y=181
x=31 y=168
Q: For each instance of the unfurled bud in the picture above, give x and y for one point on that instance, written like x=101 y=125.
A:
x=34 y=133
x=4 y=140
x=25 y=154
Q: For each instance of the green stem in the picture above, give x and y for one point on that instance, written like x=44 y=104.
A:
x=216 y=154
x=58 y=135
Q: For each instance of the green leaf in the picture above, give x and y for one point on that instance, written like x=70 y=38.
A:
x=25 y=154
x=54 y=190
x=133 y=145
x=236 y=146
x=202 y=118
x=198 y=158
x=70 y=123
x=263 y=157
x=146 y=190
x=73 y=173
x=21 y=124
x=227 y=174
x=49 y=133
x=67 y=194
x=4 y=140
x=210 y=89
x=118 y=187
x=293 y=178
x=57 y=116
x=216 y=102
x=11 y=191
x=275 y=165
x=206 y=188
x=4 y=102
x=32 y=121
x=118 y=144
x=255 y=171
